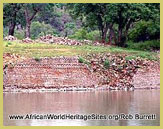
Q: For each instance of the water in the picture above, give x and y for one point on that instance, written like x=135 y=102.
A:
x=83 y=103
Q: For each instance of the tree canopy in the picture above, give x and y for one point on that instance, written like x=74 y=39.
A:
x=118 y=18
x=116 y=22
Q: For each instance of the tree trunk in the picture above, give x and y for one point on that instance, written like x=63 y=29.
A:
x=28 y=21
x=12 y=28
x=121 y=38
x=103 y=36
x=13 y=21
x=103 y=28
x=128 y=27
x=121 y=25
x=27 y=30
x=119 y=35
x=111 y=34
x=104 y=31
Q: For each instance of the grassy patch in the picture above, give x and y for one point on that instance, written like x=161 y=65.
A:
x=53 y=50
x=130 y=57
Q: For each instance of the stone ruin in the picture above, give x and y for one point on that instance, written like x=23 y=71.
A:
x=55 y=40
x=27 y=40
x=10 y=38
x=48 y=74
x=58 y=40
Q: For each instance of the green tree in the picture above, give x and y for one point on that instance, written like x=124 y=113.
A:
x=92 y=15
x=126 y=15
x=31 y=10
x=12 y=16
x=117 y=18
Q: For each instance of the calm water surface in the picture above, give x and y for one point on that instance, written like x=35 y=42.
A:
x=97 y=102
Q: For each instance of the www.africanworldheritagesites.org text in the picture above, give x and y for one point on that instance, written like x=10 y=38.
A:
x=121 y=116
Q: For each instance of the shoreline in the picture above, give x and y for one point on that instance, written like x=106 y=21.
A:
x=77 y=89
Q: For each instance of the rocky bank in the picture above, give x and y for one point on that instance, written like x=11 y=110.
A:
x=89 y=72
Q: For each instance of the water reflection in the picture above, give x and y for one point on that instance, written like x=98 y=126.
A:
x=98 y=102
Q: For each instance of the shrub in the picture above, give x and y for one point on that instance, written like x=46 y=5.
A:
x=9 y=43
x=37 y=59
x=19 y=34
x=69 y=29
x=145 y=30
x=6 y=65
x=106 y=64
x=5 y=31
x=147 y=45
x=82 y=60
x=93 y=35
x=80 y=34
x=39 y=29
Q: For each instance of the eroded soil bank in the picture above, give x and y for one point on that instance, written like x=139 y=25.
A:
x=91 y=72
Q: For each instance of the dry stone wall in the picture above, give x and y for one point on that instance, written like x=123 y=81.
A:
x=53 y=73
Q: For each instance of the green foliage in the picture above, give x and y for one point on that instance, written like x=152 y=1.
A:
x=10 y=10
x=145 y=30
x=5 y=31
x=93 y=35
x=144 y=55
x=130 y=57
x=147 y=45
x=53 y=50
x=6 y=65
x=149 y=56
x=108 y=15
x=82 y=60
x=19 y=34
x=37 y=59
x=93 y=21
x=80 y=34
x=8 y=44
x=69 y=28
x=106 y=64
x=40 y=29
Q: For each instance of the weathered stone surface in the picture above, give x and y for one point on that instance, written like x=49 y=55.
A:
x=62 y=41
x=123 y=73
x=148 y=78
x=66 y=73
x=10 y=38
x=48 y=73
x=27 y=40
x=58 y=40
